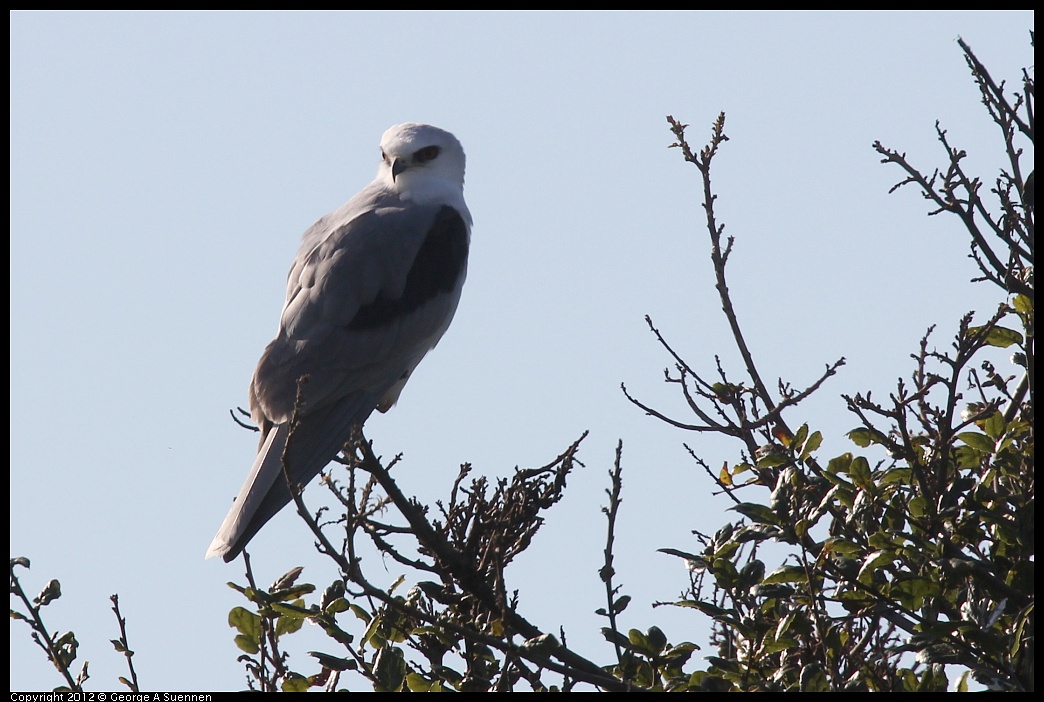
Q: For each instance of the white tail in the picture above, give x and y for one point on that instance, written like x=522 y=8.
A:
x=267 y=468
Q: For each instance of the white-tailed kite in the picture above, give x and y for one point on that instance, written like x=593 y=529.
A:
x=372 y=289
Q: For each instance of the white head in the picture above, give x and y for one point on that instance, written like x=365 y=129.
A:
x=421 y=162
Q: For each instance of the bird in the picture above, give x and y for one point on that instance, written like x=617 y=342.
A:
x=372 y=289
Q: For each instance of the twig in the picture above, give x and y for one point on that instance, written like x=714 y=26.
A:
x=606 y=572
x=123 y=645
x=48 y=644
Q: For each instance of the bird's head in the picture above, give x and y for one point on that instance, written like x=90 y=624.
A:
x=421 y=162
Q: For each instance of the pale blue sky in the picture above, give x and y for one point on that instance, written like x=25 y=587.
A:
x=164 y=166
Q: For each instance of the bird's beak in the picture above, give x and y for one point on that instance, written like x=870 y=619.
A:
x=398 y=166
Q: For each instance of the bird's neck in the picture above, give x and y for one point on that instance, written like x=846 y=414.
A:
x=427 y=190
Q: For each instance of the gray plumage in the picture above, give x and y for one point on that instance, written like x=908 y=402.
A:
x=373 y=288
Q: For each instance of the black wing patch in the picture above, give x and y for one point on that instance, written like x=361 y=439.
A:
x=435 y=270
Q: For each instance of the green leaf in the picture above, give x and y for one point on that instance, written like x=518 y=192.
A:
x=1001 y=337
x=543 y=642
x=874 y=560
x=621 y=604
x=333 y=592
x=295 y=683
x=51 y=592
x=615 y=637
x=338 y=634
x=994 y=426
x=934 y=679
x=862 y=437
x=752 y=574
x=292 y=593
x=800 y=436
x=246 y=644
x=756 y=533
x=860 y=472
x=893 y=476
x=371 y=634
x=418 y=683
x=784 y=624
x=881 y=540
x=756 y=513
x=246 y=622
x=389 y=669
x=337 y=606
x=787 y=574
x=290 y=621
x=295 y=609
x=912 y=592
x=711 y=610
x=727 y=665
x=724 y=572
x=288 y=579
x=657 y=639
x=680 y=554
x=845 y=495
x=728 y=547
x=813 y=679
x=780 y=644
x=238 y=588
x=333 y=662
x=726 y=391
x=839 y=464
x=979 y=442
x=771 y=460
x=360 y=613
x=638 y=640
x=842 y=547
x=967 y=457
x=813 y=443
x=67 y=645
x=679 y=654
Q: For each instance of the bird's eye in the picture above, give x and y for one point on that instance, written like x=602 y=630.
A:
x=384 y=156
x=426 y=154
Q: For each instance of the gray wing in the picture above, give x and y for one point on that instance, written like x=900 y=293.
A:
x=362 y=303
x=368 y=296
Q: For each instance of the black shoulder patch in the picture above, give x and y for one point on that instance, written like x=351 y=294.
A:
x=435 y=270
